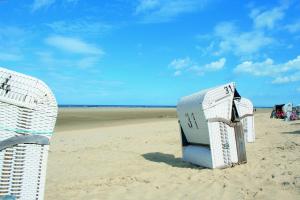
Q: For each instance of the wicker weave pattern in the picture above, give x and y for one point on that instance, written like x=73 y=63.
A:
x=218 y=143
x=27 y=107
x=245 y=110
x=225 y=143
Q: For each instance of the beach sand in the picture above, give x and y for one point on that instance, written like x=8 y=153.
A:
x=135 y=154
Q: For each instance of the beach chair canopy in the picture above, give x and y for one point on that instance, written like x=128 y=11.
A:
x=28 y=112
x=279 y=106
x=245 y=110
x=278 y=111
x=244 y=107
x=212 y=134
x=214 y=104
x=288 y=107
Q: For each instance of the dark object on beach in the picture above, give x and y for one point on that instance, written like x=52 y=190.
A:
x=277 y=112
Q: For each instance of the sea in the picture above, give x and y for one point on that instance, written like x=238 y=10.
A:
x=127 y=106
x=116 y=106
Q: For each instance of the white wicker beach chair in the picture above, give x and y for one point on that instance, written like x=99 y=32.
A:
x=245 y=110
x=28 y=112
x=287 y=109
x=211 y=132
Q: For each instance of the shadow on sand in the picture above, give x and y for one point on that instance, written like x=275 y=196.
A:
x=293 y=132
x=298 y=123
x=169 y=159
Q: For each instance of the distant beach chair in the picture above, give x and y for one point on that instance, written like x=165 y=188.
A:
x=278 y=112
x=287 y=109
x=294 y=115
x=245 y=110
x=211 y=132
x=297 y=110
x=28 y=112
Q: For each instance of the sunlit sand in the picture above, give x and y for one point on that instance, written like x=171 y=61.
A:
x=135 y=154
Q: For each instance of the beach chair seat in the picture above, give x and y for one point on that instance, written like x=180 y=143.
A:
x=28 y=112
x=280 y=114
x=211 y=132
x=245 y=110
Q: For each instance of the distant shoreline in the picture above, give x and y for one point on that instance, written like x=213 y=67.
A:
x=130 y=106
x=115 y=106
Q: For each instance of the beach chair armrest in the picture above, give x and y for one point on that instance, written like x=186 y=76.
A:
x=24 y=139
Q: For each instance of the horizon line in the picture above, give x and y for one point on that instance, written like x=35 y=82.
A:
x=130 y=105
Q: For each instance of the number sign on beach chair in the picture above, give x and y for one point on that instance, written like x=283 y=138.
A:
x=211 y=132
x=245 y=110
x=28 y=112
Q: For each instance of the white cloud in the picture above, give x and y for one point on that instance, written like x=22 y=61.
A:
x=155 y=11
x=265 y=68
x=213 y=66
x=187 y=65
x=230 y=39
x=295 y=27
x=217 y=65
x=227 y=37
x=268 y=18
x=181 y=63
x=287 y=79
x=281 y=73
x=177 y=73
x=292 y=64
x=9 y=57
x=73 y=45
x=38 y=4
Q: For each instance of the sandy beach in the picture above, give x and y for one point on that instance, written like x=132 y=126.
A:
x=119 y=153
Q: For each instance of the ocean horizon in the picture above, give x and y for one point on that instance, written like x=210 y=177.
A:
x=115 y=106
x=126 y=106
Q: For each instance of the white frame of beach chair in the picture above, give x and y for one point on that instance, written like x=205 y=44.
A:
x=209 y=136
x=28 y=112
x=287 y=109
x=245 y=110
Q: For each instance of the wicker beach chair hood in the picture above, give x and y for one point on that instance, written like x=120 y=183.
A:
x=245 y=110
x=211 y=131
x=28 y=112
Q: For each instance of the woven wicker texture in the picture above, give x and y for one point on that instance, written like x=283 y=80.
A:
x=206 y=121
x=27 y=107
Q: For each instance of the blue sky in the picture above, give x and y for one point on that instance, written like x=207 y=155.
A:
x=154 y=51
